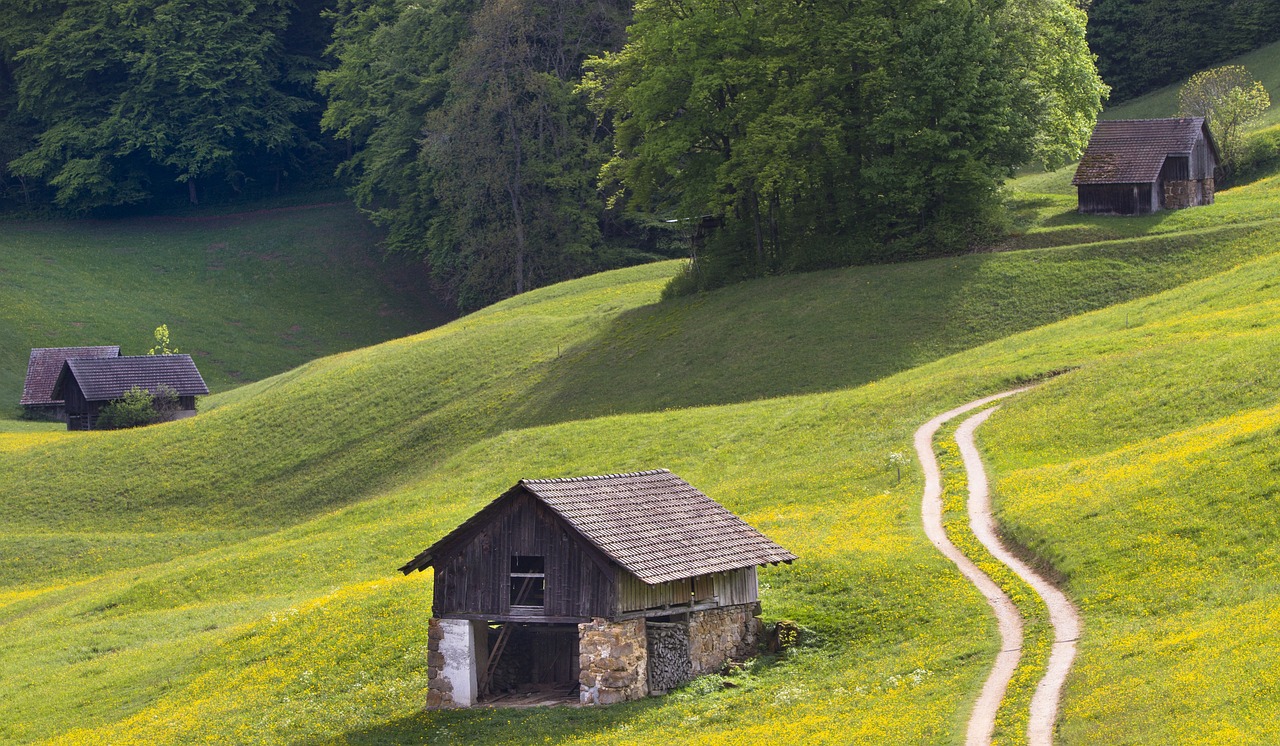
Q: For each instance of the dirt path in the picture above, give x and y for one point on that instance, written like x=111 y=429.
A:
x=1065 y=620
x=982 y=721
x=1062 y=613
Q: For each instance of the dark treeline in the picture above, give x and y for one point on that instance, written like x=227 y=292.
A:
x=470 y=142
x=515 y=143
x=1148 y=44
x=112 y=104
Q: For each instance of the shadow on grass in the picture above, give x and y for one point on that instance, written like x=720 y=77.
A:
x=837 y=329
x=492 y=726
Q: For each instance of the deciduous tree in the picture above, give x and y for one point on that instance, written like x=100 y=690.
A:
x=1229 y=98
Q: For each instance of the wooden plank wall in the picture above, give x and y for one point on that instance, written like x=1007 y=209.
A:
x=725 y=588
x=473 y=577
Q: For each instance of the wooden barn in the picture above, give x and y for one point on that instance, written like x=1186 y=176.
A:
x=88 y=384
x=599 y=589
x=1141 y=166
x=42 y=374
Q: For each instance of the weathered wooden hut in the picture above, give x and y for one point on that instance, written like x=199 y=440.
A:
x=603 y=589
x=43 y=368
x=1140 y=166
x=86 y=385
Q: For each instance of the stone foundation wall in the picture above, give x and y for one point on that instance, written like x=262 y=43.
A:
x=1182 y=194
x=451 y=663
x=613 y=661
x=439 y=688
x=716 y=635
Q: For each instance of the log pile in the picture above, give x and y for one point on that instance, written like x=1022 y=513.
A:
x=669 y=661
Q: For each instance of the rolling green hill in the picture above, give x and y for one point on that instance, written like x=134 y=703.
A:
x=248 y=296
x=231 y=578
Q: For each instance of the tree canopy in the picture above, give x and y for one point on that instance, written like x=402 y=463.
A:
x=1229 y=98
x=116 y=100
x=847 y=131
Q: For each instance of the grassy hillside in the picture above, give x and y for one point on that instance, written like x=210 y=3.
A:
x=249 y=296
x=231 y=578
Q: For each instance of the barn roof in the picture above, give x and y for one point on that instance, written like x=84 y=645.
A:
x=109 y=378
x=45 y=365
x=654 y=524
x=1132 y=151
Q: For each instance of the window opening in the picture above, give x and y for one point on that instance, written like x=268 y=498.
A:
x=528 y=582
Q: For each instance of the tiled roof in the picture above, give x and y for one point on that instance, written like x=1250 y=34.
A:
x=1132 y=151
x=110 y=378
x=45 y=365
x=654 y=524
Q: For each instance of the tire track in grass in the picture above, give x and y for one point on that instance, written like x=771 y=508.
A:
x=1063 y=614
x=1065 y=620
x=982 y=720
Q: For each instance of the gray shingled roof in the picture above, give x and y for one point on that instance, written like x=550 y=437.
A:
x=654 y=524
x=1132 y=151
x=110 y=378
x=45 y=365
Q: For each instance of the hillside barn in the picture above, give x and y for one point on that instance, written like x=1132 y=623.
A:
x=596 y=589
x=42 y=374
x=87 y=385
x=1141 y=166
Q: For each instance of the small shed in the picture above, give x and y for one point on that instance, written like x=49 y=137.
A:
x=1141 y=166
x=88 y=384
x=598 y=589
x=42 y=373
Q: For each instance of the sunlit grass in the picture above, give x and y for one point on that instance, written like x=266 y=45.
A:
x=232 y=578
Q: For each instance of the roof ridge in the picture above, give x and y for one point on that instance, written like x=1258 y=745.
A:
x=566 y=480
x=1153 y=119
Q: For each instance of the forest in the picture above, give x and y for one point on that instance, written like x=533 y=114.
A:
x=511 y=144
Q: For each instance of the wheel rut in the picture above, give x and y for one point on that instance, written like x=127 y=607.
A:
x=1063 y=615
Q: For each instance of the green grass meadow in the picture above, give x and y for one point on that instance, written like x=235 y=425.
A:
x=231 y=578
x=248 y=296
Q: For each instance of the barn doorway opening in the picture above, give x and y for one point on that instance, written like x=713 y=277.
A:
x=531 y=663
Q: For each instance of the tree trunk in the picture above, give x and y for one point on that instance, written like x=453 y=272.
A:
x=191 y=192
x=755 y=222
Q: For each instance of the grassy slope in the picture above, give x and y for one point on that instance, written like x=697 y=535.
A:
x=248 y=296
x=269 y=614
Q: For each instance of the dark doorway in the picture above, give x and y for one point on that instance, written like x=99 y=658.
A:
x=535 y=658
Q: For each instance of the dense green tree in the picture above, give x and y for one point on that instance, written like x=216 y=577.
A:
x=515 y=151
x=844 y=131
x=392 y=69
x=469 y=141
x=129 y=95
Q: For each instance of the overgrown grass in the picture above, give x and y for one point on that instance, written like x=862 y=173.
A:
x=248 y=296
x=231 y=578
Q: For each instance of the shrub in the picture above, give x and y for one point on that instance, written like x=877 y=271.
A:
x=139 y=407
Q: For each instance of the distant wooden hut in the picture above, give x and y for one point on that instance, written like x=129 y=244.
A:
x=42 y=374
x=87 y=385
x=602 y=589
x=1140 y=166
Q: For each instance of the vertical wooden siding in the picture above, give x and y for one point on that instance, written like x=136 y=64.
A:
x=473 y=577
x=722 y=588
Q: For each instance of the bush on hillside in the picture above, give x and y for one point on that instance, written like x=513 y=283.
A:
x=1259 y=158
x=139 y=407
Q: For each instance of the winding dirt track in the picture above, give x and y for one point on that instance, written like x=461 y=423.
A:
x=1062 y=614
